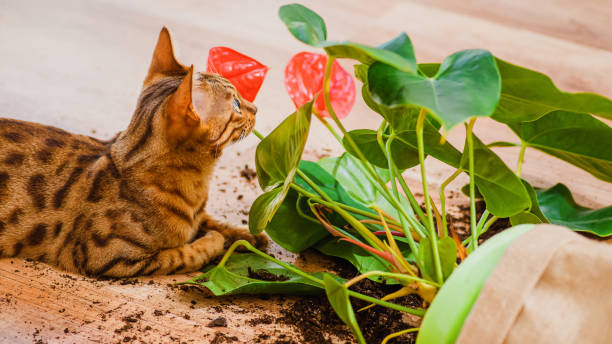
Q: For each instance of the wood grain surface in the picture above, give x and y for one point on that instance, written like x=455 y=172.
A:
x=79 y=65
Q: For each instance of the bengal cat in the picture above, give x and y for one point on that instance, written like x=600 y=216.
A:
x=134 y=205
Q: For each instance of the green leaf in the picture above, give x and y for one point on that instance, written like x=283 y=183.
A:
x=362 y=260
x=276 y=160
x=446 y=315
x=308 y=27
x=303 y=23
x=524 y=218
x=559 y=207
x=466 y=191
x=527 y=95
x=580 y=139
x=263 y=209
x=448 y=257
x=503 y=144
x=501 y=189
x=327 y=183
x=444 y=152
x=279 y=153
x=533 y=214
x=292 y=231
x=338 y=297
x=398 y=52
x=403 y=155
x=232 y=279
x=346 y=170
x=466 y=85
x=503 y=192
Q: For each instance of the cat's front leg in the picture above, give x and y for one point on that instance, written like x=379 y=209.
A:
x=232 y=233
x=186 y=258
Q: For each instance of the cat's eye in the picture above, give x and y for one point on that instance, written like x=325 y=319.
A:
x=236 y=105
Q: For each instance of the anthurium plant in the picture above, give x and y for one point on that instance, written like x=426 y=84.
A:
x=358 y=207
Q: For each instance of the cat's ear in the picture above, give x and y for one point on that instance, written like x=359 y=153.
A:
x=181 y=116
x=164 y=62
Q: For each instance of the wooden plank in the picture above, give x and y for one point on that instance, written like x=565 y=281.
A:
x=581 y=22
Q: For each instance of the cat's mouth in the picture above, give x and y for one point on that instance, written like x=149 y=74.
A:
x=239 y=135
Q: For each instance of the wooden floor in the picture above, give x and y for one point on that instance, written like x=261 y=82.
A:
x=79 y=65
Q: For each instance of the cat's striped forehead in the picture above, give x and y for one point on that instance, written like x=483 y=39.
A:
x=216 y=82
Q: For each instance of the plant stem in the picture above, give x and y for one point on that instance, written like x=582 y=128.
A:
x=415 y=311
x=328 y=126
x=250 y=247
x=394 y=249
x=386 y=148
x=488 y=224
x=397 y=334
x=351 y=142
x=433 y=236
x=470 y=147
x=399 y=277
x=443 y=198
x=393 y=171
x=482 y=221
x=519 y=165
x=354 y=210
x=363 y=230
x=411 y=199
x=258 y=134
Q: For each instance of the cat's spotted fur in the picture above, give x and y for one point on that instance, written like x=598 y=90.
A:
x=133 y=205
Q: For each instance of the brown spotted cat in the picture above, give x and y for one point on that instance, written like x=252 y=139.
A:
x=133 y=205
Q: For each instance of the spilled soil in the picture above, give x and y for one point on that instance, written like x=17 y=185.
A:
x=317 y=322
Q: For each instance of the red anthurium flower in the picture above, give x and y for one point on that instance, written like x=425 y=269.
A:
x=304 y=79
x=244 y=72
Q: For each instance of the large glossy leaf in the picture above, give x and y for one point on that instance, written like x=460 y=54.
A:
x=276 y=160
x=434 y=146
x=279 y=153
x=263 y=209
x=327 y=183
x=448 y=257
x=308 y=27
x=292 y=231
x=366 y=140
x=580 y=139
x=502 y=189
x=338 y=297
x=559 y=207
x=528 y=95
x=404 y=156
x=398 y=52
x=348 y=173
x=503 y=192
x=303 y=23
x=233 y=278
x=466 y=85
x=531 y=215
x=446 y=315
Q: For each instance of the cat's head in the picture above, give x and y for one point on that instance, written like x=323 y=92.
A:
x=183 y=114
